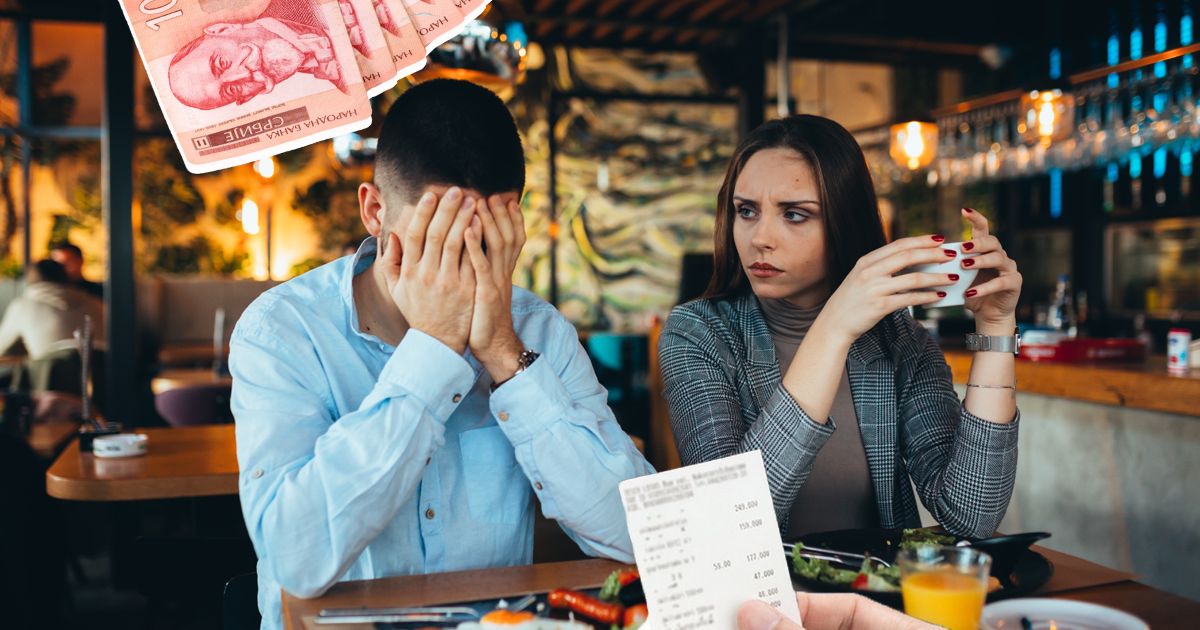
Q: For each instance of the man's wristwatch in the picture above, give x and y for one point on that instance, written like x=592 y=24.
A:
x=525 y=360
x=988 y=343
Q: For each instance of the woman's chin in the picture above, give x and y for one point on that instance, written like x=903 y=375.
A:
x=771 y=291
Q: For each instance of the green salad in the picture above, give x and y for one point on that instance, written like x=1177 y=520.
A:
x=872 y=575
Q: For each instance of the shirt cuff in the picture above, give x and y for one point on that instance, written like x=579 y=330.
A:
x=431 y=372
x=806 y=434
x=528 y=403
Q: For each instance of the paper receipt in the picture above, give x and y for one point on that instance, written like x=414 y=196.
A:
x=706 y=540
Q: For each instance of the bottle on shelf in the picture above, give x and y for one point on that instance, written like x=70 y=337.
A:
x=1061 y=315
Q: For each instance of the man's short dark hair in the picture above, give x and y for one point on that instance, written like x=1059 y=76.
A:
x=47 y=270
x=449 y=132
x=67 y=246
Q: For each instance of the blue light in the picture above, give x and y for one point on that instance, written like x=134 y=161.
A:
x=1114 y=57
x=516 y=33
x=1113 y=174
x=1185 y=163
x=1135 y=103
x=1135 y=43
x=1160 y=163
x=1160 y=36
x=1055 y=63
x=1185 y=36
x=1055 y=193
x=1160 y=99
x=1135 y=165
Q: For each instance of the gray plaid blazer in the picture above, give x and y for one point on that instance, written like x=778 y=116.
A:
x=723 y=388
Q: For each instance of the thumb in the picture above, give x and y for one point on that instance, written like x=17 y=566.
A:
x=758 y=615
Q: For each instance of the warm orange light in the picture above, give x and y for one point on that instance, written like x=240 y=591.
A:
x=913 y=144
x=1047 y=116
x=249 y=217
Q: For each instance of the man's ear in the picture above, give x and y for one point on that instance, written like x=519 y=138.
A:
x=371 y=208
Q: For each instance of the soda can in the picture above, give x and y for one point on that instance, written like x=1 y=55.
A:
x=1178 y=342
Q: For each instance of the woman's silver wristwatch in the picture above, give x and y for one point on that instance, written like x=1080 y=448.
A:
x=989 y=343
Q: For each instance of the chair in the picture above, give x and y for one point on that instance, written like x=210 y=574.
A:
x=240 y=603
x=60 y=372
x=194 y=404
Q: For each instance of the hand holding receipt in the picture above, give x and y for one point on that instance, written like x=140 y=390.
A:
x=706 y=540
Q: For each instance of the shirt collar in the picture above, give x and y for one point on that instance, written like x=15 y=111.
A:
x=359 y=262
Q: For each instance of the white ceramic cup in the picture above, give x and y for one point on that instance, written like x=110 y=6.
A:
x=954 y=292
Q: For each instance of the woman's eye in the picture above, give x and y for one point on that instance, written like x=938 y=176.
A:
x=746 y=212
x=795 y=216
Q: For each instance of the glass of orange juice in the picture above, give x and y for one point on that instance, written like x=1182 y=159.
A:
x=945 y=586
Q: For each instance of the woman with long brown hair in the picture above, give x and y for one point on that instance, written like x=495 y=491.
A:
x=803 y=348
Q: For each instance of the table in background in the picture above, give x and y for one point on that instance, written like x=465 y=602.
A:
x=181 y=462
x=188 y=354
x=1074 y=578
x=167 y=380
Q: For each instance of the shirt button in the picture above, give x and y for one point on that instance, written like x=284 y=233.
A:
x=429 y=514
x=503 y=415
x=258 y=473
x=457 y=397
x=538 y=485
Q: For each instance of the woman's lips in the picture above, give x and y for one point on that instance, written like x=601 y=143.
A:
x=764 y=270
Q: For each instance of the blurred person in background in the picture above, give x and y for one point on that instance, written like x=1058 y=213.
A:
x=44 y=318
x=71 y=258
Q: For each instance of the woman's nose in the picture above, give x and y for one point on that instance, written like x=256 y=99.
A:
x=764 y=237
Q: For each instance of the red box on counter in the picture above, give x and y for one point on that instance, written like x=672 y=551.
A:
x=1083 y=349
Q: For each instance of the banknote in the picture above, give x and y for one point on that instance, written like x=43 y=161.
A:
x=471 y=9
x=436 y=20
x=408 y=51
x=239 y=80
x=379 y=72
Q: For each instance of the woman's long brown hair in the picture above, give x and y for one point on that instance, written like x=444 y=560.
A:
x=850 y=210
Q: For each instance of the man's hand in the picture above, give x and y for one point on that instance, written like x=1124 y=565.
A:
x=429 y=278
x=493 y=340
x=828 y=611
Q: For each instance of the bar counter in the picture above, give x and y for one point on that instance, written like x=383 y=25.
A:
x=1145 y=385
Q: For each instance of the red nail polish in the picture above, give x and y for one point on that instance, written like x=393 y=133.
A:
x=971 y=293
x=969 y=209
x=938 y=238
x=968 y=262
x=950 y=252
x=953 y=277
x=941 y=294
x=968 y=246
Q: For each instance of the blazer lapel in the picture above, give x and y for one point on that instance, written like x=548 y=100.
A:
x=764 y=375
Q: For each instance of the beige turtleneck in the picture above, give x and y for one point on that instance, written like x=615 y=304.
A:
x=838 y=493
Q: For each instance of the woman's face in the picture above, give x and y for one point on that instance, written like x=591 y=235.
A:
x=778 y=227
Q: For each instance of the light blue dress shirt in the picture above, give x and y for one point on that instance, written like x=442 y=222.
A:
x=362 y=460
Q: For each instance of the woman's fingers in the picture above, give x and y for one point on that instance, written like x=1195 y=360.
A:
x=981 y=245
x=917 y=281
x=979 y=223
x=990 y=260
x=903 y=259
x=999 y=284
x=901 y=245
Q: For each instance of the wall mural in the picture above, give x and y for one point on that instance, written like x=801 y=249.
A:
x=637 y=185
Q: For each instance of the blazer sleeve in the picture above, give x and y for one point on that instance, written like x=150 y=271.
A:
x=705 y=408
x=963 y=467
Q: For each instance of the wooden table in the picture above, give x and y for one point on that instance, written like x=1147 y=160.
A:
x=167 y=380
x=1074 y=578
x=181 y=462
x=45 y=438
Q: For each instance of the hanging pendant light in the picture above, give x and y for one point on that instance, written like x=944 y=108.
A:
x=1047 y=116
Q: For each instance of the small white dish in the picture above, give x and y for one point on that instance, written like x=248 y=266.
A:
x=1062 y=614
x=120 y=445
x=966 y=275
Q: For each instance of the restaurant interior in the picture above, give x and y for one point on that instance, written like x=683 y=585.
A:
x=1071 y=125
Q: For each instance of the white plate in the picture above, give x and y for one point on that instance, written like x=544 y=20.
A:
x=1064 y=614
x=120 y=445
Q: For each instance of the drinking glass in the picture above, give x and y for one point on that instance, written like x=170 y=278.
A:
x=945 y=586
